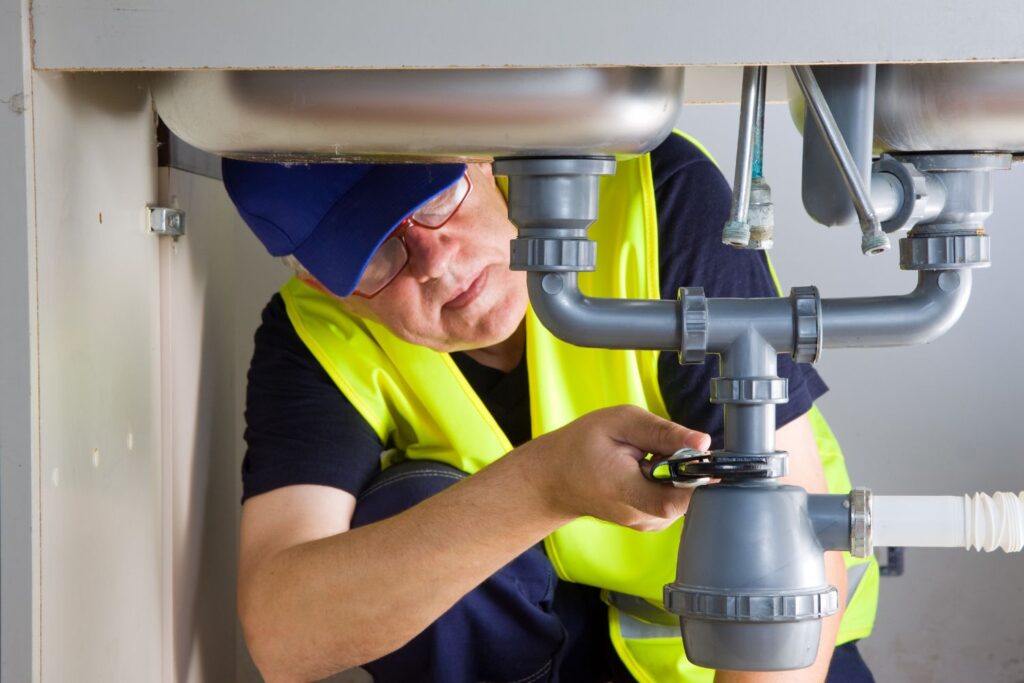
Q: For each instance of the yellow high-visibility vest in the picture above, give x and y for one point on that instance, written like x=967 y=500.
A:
x=418 y=400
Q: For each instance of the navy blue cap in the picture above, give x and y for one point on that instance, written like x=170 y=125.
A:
x=331 y=217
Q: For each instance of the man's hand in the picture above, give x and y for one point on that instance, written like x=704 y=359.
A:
x=591 y=467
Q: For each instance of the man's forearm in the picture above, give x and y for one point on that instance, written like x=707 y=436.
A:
x=340 y=601
x=319 y=606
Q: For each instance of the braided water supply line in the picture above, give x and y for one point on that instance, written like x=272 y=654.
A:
x=736 y=232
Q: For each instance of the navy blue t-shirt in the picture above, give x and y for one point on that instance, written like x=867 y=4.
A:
x=300 y=428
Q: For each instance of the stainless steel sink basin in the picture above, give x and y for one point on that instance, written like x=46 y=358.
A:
x=949 y=107
x=963 y=107
x=433 y=114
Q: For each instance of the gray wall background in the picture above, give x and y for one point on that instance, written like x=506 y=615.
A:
x=939 y=419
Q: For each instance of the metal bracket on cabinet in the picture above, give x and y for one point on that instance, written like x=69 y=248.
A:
x=165 y=222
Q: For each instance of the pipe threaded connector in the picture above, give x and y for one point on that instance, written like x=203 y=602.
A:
x=761 y=216
x=736 y=234
x=874 y=242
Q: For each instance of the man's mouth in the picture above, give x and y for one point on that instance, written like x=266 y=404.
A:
x=466 y=295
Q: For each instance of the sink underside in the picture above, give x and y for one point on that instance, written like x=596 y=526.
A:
x=479 y=114
x=420 y=115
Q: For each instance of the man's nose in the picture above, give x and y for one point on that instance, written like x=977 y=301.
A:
x=430 y=252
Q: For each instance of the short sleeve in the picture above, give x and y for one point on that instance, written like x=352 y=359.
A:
x=693 y=201
x=300 y=428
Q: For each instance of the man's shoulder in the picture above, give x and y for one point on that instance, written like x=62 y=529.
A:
x=275 y=330
x=275 y=312
x=676 y=153
x=279 y=354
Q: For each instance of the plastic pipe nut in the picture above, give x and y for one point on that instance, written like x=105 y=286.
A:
x=945 y=252
x=693 y=312
x=553 y=255
x=914 y=185
x=806 y=324
x=692 y=602
x=750 y=390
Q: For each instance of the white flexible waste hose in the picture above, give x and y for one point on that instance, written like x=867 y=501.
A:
x=980 y=521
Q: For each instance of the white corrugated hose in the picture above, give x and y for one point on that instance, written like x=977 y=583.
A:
x=981 y=521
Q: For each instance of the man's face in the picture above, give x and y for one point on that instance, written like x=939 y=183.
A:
x=456 y=292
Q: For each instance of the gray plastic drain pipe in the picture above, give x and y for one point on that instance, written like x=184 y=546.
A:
x=919 y=317
x=922 y=316
x=753 y=590
x=579 y=319
x=553 y=201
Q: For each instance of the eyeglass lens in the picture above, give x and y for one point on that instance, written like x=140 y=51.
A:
x=386 y=263
x=389 y=259
x=438 y=210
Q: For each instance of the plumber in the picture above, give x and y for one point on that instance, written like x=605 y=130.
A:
x=436 y=488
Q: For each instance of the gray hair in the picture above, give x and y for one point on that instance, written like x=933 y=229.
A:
x=298 y=270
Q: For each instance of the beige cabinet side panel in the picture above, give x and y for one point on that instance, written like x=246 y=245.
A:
x=214 y=282
x=99 y=402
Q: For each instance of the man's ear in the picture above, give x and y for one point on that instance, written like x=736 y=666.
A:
x=350 y=304
x=316 y=284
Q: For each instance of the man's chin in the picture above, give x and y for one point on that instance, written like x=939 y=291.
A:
x=489 y=328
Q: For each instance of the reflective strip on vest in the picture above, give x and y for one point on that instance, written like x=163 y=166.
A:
x=641 y=609
x=854 y=575
x=632 y=628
